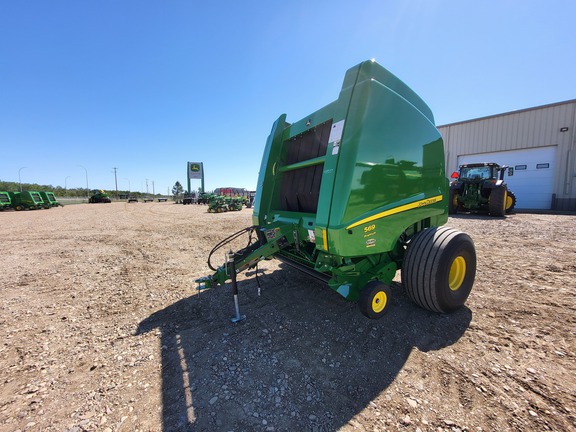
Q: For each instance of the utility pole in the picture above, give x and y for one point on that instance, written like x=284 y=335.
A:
x=146 y=186
x=153 y=193
x=116 y=181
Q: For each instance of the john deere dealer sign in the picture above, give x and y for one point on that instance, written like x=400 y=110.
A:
x=195 y=170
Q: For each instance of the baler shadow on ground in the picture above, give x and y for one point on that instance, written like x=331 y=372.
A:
x=304 y=358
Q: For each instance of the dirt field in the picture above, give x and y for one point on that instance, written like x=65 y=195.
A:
x=103 y=330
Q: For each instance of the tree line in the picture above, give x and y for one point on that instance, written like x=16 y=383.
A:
x=59 y=191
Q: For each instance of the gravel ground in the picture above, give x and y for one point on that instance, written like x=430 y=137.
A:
x=103 y=330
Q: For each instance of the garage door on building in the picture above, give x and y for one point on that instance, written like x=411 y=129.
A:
x=533 y=179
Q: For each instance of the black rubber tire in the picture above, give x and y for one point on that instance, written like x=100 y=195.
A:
x=510 y=202
x=452 y=202
x=428 y=264
x=374 y=299
x=497 y=201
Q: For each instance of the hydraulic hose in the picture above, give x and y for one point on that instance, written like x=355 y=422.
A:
x=229 y=239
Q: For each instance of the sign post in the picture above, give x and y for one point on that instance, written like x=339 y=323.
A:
x=196 y=171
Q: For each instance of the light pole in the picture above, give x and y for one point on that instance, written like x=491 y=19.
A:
x=87 y=188
x=66 y=185
x=116 y=181
x=20 y=181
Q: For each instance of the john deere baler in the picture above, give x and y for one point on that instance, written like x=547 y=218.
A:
x=356 y=191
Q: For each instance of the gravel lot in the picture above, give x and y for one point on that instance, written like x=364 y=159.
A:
x=103 y=330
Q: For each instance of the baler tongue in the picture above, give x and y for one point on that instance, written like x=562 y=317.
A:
x=203 y=283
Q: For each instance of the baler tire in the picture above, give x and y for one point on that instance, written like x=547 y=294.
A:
x=439 y=269
x=497 y=202
x=510 y=202
x=452 y=202
x=374 y=299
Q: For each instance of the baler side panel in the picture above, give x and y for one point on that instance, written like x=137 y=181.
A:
x=391 y=155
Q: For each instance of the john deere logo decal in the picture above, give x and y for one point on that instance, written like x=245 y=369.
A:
x=195 y=170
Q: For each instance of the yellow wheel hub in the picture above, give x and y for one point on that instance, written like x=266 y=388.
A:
x=457 y=273
x=379 y=301
x=509 y=202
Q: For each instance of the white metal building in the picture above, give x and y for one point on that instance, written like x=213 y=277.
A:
x=539 y=142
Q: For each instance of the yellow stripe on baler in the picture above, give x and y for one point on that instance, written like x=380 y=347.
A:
x=399 y=209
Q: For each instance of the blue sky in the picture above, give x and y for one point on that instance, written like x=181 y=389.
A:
x=145 y=86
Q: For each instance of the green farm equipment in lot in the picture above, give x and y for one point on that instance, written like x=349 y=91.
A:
x=5 y=201
x=221 y=203
x=480 y=187
x=188 y=198
x=354 y=192
x=235 y=203
x=99 y=196
x=250 y=199
x=217 y=204
x=50 y=200
x=26 y=200
x=204 y=198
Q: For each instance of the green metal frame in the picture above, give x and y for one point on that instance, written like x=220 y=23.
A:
x=382 y=181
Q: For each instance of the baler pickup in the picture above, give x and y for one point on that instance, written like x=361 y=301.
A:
x=356 y=191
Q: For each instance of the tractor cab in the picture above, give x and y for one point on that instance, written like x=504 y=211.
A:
x=482 y=171
x=477 y=173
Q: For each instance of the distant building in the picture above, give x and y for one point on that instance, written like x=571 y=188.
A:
x=232 y=192
x=539 y=143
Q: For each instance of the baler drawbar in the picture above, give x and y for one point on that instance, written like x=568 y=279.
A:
x=355 y=192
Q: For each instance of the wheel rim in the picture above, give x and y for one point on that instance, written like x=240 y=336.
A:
x=457 y=273
x=509 y=202
x=379 y=301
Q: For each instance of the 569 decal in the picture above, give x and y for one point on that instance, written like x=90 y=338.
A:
x=369 y=228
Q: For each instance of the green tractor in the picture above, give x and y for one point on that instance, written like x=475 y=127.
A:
x=50 y=200
x=235 y=203
x=99 y=196
x=217 y=204
x=354 y=192
x=250 y=199
x=26 y=200
x=480 y=187
x=5 y=201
